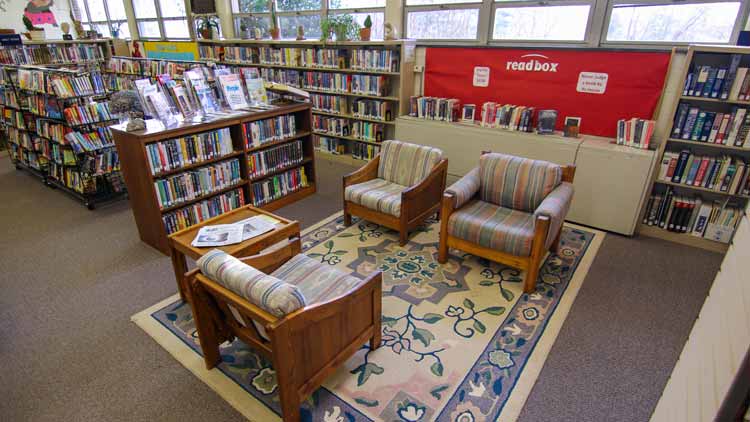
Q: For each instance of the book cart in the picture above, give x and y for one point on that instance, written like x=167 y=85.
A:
x=348 y=122
x=269 y=189
x=36 y=126
x=710 y=103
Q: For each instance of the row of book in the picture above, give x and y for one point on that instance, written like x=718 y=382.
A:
x=42 y=105
x=276 y=158
x=51 y=54
x=58 y=154
x=329 y=145
x=104 y=162
x=362 y=151
x=372 y=109
x=722 y=174
x=368 y=131
x=8 y=97
x=730 y=82
x=197 y=182
x=32 y=80
x=125 y=65
x=508 y=116
x=203 y=210
x=19 y=137
x=379 y=60
x=329 y=103
x=278 y=186
x=384 y=60
x=51 y=130
x=692 y=123
x=114 y=83
x=711 y=220
x=433 y=108
x=81 y=182
x=346 y=83
x=86 y=114
x=14 y=118
x=281 y=76
x=95 y=140
x=176 y=153
x=263 y=131
x=635 y=132
x=331 y=125
x=75 y=86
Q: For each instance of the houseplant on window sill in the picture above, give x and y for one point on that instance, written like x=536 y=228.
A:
x=274 y=31
x=207 y=27
x=115 y=30
x=35 y=33
x=364 y=33
x=343 y=26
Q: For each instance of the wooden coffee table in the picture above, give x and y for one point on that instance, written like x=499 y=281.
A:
x=181 y=249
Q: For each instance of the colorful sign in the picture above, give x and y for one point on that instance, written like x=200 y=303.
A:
x=171 y=50
x=598 y=86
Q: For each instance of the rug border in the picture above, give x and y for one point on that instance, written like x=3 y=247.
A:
x=256 y=411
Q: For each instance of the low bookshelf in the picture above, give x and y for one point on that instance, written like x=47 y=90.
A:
x=180 y=176
x=348 y=122
x=701 y=184
x=57 y=52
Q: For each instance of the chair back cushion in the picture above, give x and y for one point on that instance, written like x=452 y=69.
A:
x=267 y=292
x=515 y=182
x=406 y=164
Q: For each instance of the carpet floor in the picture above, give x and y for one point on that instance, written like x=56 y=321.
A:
x=71 y=279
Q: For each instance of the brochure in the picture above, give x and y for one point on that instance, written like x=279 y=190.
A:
x=156 y=101
x=231 y=86
x=203 y=93
x=218 y=235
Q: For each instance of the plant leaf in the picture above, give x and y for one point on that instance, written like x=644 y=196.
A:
x=365 y=402
x=339 y=252
x=423 y=335
x=495 y=310
x=468 y=303
x=479 y=326
x=315 y=255
x=486 y=283
x=389 y=321
x=346 y=235
x=329 y=244
x=435 y=392
x=437 y=369
x=507 y=294
x=431 y=318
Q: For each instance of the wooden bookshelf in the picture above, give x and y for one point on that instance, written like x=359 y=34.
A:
x=698 y=55
x=43 y=52
x=400 y=80
x=140 y=181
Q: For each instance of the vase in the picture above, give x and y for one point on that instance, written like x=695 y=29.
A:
x=275 y=33
x=364 y=34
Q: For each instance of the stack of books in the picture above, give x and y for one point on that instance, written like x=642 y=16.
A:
x=695 y=124
x=86 y=114
x=720 y=174
x=278 y=186
x=721 y=82
x=379 y=60
x=267 y=161
x=329 y=103
x=372 y=109
x=76 y=86
x=431 y=108
x=263 y=131
x=635 y=132
x=331 y=125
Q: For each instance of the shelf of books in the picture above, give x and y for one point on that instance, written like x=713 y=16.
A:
x=122 y=72
x=357 y=89
x=55 y=121
x=703 y=181
x=56 y=52
x=188 y=173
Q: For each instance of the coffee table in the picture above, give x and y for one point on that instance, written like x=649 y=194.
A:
x=181 y=248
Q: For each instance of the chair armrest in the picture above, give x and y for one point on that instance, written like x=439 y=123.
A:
x=427 y=193
x=367 y=172
x=555 y=206
x=269 y=261
x=465 y=188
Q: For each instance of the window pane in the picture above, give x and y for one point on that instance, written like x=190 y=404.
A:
x=124 y=29
x=144 y=9
x=253 y=22
x=176 y=29
x=81 y=10
x=377 y=23
x=460 y=24
x=172 y=8
x=354 y=4
x=294 y=5
x=311 y=24
x=566 y=23
x=101 y=28
x=711 y=22
x=149 y=29
x=250 y=6
x=96 y=8
x=423 y=2
x=116 y=9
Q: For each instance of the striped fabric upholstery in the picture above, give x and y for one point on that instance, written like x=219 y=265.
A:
x=317 y=282
x=556 y=206
x=406 y=164
x=377 y=194
x=493 y=227
x=465 y=188
x=515 y=182
x=267 y=292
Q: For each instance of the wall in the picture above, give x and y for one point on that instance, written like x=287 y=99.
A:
x=11 y=13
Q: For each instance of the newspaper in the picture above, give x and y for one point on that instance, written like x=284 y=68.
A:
x=218 y=235
x=255 y=226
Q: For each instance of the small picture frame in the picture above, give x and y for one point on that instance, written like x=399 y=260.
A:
x=571 y=127
x=467 y=113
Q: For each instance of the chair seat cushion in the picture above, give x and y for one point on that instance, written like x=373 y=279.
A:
x=494 y=227
x=378 y=195
x=318 y=282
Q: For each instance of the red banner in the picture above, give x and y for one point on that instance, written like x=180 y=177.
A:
x=600 y=87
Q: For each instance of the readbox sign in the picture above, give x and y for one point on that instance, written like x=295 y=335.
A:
x=600 y=86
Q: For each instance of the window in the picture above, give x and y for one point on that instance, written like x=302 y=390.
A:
x=442 y=19
x=105 y=17
x=531 y=22
x=161 y=19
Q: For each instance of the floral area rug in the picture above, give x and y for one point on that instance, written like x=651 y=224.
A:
x=461 y=341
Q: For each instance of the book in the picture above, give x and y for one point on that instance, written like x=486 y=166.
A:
x=547 y=119
x=231 y=87
x=731 y=76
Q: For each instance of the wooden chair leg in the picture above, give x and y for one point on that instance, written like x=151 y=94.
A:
x=287 y=386
x=289 y=404
x=347 y=216
x=403 y=236
x=207 y=335
x=541 y=226
x=556 y=244
x=377 y=304
x=445 y=211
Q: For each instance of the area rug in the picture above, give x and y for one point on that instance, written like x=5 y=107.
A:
x=461 y=341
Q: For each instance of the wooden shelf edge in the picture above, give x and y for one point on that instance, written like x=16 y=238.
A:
x=281 y=170
x=682 y=238
x=700 y=189
x=708 y=144
x=352 y=117
x=347 y=138
x=290 y=198
x=279 y=142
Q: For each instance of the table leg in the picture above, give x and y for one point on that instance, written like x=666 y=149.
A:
x=179 y=264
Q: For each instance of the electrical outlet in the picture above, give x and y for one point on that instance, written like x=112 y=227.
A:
x=419 y=68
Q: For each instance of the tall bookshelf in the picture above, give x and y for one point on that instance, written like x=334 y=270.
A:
x=697 y=56
x=156 y=219
x=57 y=52
x=290 y=62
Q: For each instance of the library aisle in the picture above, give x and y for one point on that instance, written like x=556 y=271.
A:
x=74 y=329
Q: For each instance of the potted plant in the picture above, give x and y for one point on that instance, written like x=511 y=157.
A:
x=275 y=31
x=115 y=30
x=35 y=33
x=345 y=27
x=364 y=33
x=206 y=27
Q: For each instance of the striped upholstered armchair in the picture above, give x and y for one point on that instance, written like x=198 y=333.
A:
x=398 y=189
x=509 y=210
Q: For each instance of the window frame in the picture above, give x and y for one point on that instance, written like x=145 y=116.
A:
x=108 y=22
x=188 y=18
x=545 y=3
x=480 y=37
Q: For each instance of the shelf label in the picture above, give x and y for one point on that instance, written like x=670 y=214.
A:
x=592 y=82
x=481 y=76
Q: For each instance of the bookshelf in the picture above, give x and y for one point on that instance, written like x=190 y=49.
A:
x=57 y=131
x=57 y=52
x=287 y=157
x=121 y=71
x=705 y=139
x=321 y=68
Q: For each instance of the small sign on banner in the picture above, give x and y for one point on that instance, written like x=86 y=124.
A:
x=10 y=39
x=481 y=76
x=592 y=82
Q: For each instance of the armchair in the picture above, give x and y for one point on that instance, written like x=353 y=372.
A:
x=398 y=189
x=509 y=210
x=285 y=305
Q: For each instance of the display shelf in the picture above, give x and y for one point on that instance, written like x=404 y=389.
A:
x=300 y=135
x=683 y=238
x=278 y=171
x=700 y=188
x=351 y=94
x=713 y=100
x=352 y=117
x=303 y=68
x=709 y=145
x=348 y=138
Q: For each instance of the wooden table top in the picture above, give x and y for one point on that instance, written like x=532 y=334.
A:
x=182 y=239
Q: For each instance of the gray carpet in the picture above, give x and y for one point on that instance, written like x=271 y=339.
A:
x=71 y=279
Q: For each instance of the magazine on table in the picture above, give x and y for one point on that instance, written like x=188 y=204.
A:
x=255 y=226
x=218 y=235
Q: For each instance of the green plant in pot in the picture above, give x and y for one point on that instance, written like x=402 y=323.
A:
x=345 y=28
x=364 y=33
x=206 y=28
x=275 y=31
x=35 y=33
x=115 y=29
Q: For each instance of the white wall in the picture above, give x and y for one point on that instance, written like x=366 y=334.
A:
x=11 y=13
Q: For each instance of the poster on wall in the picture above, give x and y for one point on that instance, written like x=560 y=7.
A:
x=171 y=50
x=600 y=87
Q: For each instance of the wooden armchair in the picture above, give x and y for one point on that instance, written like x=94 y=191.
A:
x=398 y=189
x=509 y=210
x=291 y=323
